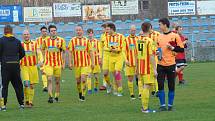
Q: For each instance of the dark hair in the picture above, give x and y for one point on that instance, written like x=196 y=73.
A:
x=165 y=21
x=112 y=26
x=43 y=27
x=146 y=26
x=8 y=29
x=52 y=26
x=104 y=25
x=89 y=31
x=177 y=28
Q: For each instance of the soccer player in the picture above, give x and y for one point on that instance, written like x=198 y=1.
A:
x=166 y=62
x=130 y=61
x=11 y=52
x=104 y=56
x=54 y=47
x=95 y=72
x=29 y=72
x=149 y=32
x=181 y=57
x=82 y=57
x=146 y=67
x=40 y=40
x=115 y=46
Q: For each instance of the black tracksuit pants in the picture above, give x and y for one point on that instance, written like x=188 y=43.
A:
x=11 y=72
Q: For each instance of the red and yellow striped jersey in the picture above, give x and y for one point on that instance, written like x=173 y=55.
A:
x=40 y=41
x=80 y=48
x=154 y=36
x=145 y=50
x=95 y=49
x=130 y=49
x=103 y=38
x=53 y=51
x=30 y=58
x=116 y=41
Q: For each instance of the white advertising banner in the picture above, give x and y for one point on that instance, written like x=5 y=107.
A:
x=181 y=8
x=67 y=9
x=205 y=7
x=37 y=14
x=124 y=7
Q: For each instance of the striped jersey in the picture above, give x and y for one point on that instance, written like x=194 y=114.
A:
x=30 y=58
x=80 y=48
x=53 y=51
x=40 y=41
x=144 y=49
x=130 y=49
x=95 y=49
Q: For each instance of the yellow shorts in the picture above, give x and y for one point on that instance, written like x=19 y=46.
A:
x=148 y=79
x=115 y=63
x=53 y=71
x=30 y=73
x=82 y=71
x=105 y=61
x=130 y=70
x=96 y=69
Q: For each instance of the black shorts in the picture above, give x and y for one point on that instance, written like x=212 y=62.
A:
x=180 y=62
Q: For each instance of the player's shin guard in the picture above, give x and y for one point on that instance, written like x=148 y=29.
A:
x=161 y=95
x=89 y=83
x=45 y=81
x=140 y=86
x=31 y=95
x=79 y=87
x=131 y=87
x=107 y=80
x=96 y=83
x=171 y=96
x=26 y=93
x=1 y=102
x=83 y=88
x=57 y=94
x=118 y=79
x=145 y=98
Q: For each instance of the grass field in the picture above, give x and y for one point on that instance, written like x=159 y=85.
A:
x=193 y=102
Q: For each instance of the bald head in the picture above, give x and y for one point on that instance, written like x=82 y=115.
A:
x=26 y=35
x=79 y=31
x=132 y=29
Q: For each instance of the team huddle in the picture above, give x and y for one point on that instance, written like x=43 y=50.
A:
x=150 y=58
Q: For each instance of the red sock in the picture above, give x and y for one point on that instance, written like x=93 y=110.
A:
x=180 y=76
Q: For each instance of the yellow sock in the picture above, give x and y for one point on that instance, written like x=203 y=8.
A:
x=79 y=87
x=31 y=95
x=57 y=94
x=107 y=79
x=140 y=86
x=131 y=87
x=1 y=102
x=156 y=86
x=44 y=79
x=50 y=94
x=145 y=98
x=83 y=88
x=104 y=82
x=96 y=84
x=119 y=89
x=89 y=83
x=26 y=93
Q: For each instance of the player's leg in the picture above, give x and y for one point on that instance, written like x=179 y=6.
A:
x=50 y=71
x=25 y=74
x=89 y=83
x=118 y=76
x=140 y=85
x=96 y=82
x=57 y=75
x=179 y=72
x=84 y=74
x=148 y=85
x=161 y=93
x=44 y=79
x=105 y=67
x=129 y=72
x=34 y=79
x=78 y=81
x=171 y=86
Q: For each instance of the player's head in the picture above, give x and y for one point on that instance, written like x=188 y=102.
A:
x=164 y=24
x=52 y=30
x=43 y=31
x=90 y=33
x=178 y=29
x=79 y=31
x=141 y=33
x=111 y=27
x=8 y=29
x=26 y=35
x=146 y=27
x=104 y=28
x=133 y=29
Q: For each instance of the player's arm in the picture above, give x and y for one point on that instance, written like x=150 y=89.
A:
x=63 y=53
x=70 y=46
x=39 y=55
x=179 y=47
x=152 y=57
x=100 y=52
